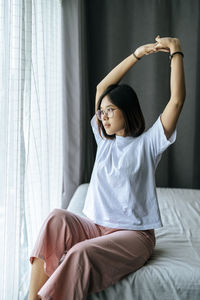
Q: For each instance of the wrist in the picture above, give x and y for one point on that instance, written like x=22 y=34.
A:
x=138 y=58
x=138 y=53
x=175 y=46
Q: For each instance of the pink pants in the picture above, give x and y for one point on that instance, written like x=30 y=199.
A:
x=82 y=257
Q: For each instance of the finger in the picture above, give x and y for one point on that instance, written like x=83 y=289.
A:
x=160 y=46
x=150 y=52
x=163 y=50
x=157 y=47
x=157 y=38
x=151 y=45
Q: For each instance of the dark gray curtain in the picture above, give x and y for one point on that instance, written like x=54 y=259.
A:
x=97 y=35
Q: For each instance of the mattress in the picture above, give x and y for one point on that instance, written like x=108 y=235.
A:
x=173 y=271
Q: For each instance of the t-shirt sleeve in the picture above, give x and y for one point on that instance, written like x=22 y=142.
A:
x=157 y=138
x=97 y=136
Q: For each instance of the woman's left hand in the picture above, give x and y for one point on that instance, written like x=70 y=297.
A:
x=166 y=44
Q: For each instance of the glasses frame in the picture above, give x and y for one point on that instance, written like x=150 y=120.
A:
x=105 y=112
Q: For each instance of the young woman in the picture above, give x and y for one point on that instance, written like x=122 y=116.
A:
x=76 y=256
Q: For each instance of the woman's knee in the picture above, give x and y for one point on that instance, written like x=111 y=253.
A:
x=56 y=218
x=58 y=214
x=81 y=250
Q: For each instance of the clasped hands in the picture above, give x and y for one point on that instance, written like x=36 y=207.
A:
x=166 y=44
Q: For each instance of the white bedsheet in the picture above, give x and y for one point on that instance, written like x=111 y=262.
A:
x=173 y=272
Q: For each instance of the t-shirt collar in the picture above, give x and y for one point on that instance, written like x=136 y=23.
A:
x=123 y=139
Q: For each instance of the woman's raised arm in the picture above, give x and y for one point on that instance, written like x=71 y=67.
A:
x=173 y=109
x=122 y=68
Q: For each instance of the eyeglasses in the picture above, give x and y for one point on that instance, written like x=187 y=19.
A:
x=109 y=112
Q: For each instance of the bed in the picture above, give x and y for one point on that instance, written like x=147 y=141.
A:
x=173 y=271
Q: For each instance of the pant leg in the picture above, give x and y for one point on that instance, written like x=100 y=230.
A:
x=93 y=265
x=59 y=232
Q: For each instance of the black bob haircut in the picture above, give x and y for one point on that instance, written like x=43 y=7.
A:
x=124 y=97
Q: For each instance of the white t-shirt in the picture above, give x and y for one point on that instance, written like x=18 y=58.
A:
x=122 y=189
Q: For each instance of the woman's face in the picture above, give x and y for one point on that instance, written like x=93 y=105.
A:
x=116 y=122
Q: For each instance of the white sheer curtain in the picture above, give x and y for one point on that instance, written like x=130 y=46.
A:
x=30 y=132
